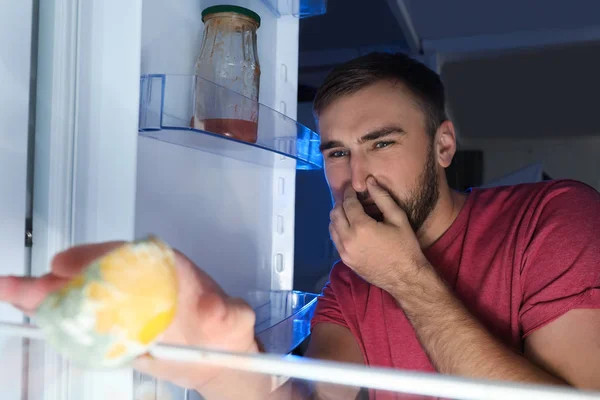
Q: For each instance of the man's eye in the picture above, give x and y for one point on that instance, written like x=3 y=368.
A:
x=381 y=145
x=338 y=154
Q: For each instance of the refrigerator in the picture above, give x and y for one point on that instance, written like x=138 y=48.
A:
x=92 y=148
x=84 y=159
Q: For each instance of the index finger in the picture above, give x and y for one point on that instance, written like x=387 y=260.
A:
x=26 y=293
x=71 y=261
x=387 y=205
x=352 y=207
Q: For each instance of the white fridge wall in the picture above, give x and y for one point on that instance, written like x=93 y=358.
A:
x=235 y=219
x=207 y=206
x=15 y=61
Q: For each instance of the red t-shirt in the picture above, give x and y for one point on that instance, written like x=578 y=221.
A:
x=517 y=257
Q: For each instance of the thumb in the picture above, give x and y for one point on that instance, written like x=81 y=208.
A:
x=26 y=293
x=392 y=213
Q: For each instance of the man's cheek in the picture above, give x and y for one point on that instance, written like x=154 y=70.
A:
x=337 y=195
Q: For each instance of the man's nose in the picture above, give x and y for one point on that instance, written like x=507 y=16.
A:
x=360 y=172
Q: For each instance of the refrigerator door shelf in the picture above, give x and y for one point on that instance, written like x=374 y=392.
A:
x=167 y=104
x=282 y=318
x=297 y=8
x=282 y=323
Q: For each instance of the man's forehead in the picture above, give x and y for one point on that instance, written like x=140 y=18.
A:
x=368 y=109
x=358 y=121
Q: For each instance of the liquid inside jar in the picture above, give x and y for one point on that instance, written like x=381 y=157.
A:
x=239 y=129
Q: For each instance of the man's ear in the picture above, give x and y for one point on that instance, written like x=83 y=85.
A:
x=445 y=143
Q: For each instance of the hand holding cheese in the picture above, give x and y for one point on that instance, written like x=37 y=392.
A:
x=113 y=310
x=104 y=304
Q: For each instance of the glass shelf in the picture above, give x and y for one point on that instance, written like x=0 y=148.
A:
x=297 y=8
x=167 y=104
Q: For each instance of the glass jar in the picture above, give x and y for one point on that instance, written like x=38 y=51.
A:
x=228 y=73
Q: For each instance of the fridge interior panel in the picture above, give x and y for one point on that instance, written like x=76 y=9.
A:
x=214 y=209
x=15 y=51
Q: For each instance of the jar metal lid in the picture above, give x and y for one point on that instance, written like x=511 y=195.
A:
x=229 y=8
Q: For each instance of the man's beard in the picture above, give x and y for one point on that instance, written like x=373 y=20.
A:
x=420 y=201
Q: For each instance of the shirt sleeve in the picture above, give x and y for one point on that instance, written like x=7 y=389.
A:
x=560 y=270
x=328 y=309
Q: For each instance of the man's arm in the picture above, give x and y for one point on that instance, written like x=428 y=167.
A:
x=334 y=343
x=328 y=342
x=569 y=347
x=454 y=340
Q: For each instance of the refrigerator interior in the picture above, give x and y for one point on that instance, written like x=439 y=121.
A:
x=231 y=215
x=229 y=207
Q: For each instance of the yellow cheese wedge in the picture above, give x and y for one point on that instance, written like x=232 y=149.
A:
x=116 y=308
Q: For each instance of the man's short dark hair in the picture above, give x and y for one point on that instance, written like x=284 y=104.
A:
x=424 y=84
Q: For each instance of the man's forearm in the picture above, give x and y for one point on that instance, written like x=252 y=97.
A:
x=454 y=340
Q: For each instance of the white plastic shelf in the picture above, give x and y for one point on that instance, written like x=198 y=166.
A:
x=282 y=318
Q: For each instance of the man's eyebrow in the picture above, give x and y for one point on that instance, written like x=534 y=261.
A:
x=330 y=145
x=379 y=133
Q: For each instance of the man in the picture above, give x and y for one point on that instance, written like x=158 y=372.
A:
x=499 y=283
